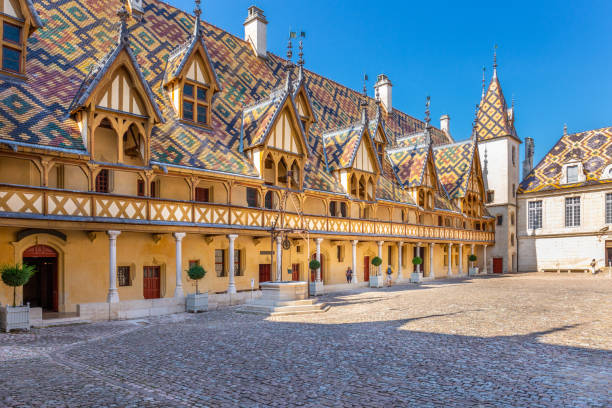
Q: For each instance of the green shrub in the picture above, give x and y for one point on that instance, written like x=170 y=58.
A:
x=376 y=261
x=196 y=272
x=417 y=260
x=15 y=276
x=472 y=258
x=314 y=265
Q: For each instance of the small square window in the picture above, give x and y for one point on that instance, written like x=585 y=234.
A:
x=572 y=174
x=201 y=94
x=188 y=91
x=123 y=276
x=11 y=59
x=11 y=33
x=187 y=110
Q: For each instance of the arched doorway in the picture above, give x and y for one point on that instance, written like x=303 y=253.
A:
x=42 y=289
x=313 y=273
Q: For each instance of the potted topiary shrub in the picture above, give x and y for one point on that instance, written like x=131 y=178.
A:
x=196 y=302
x=417 y=277
x=16 y=317
x=377 y=280
x=472 y=271
x=316 y=288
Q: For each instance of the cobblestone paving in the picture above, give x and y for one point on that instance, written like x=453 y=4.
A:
x=540 y=340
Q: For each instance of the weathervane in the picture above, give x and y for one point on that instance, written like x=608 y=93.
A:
x=301 y=53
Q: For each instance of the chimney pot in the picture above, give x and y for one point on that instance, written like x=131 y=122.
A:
x=256 y=31
x=383 y=88
x=445 y=124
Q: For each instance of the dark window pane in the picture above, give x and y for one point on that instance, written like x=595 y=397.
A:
x=202 y=114
x=201 y=94
x=11 y=59
x=188 y=90
x=12 y=33
x=187 y=110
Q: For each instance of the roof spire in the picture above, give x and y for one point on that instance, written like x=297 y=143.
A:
x=124 y=30
x=485 y=171
x=565 y=129
x=364 y=101
x=427 y=113
x=483 y=81
x=475 y=122
x=495 y=61
x=198 y=12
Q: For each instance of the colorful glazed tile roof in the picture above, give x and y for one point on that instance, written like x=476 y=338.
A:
x=592 y=148
x=493 y=118
x=409 y=164
x=78 y=34
x=454 y=166
x=341 y=146
x=257 y=119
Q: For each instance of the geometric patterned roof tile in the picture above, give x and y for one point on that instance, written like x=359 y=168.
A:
x=493 y=119
x=341 y=146
x=593 y=148
x=454 y=166
x=409 y=164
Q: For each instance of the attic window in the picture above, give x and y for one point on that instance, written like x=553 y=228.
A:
x=12 y=47
x=572 y=174
x=195 y=103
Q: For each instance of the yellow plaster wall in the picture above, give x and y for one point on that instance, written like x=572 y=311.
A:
x=105 y=145
x=74 y=178
x=18 y=171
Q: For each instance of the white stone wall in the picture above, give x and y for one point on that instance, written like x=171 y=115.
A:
x=555 y=246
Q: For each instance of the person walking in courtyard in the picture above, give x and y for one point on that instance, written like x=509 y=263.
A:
x=389 y=275
x=593 y=265
x=349 y=275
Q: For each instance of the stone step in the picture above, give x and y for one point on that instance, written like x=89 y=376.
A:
x=281 y=303
x=62 y=321
x=284 y=310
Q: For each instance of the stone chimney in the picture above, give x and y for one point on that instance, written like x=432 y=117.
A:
x=256 y=31
x=383 y=88
x=529 y=151
x=445 y=124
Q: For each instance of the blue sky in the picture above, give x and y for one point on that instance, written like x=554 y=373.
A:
x=553 y=57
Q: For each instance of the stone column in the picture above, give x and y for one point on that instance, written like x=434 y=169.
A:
x=380 y=245
x=354 y=244
x=279 y=259
x=431 y=261
x=460 y=259
x=231 y=288
x=318 y=275
x=450 y=259
x=399 y=261
x=113 y=294
x=484 y=258
x=178 y=239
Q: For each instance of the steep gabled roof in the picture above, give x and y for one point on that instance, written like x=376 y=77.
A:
x=493 y=118
x=592 y=148
x=409 y=164
x=454 y=165
x=36 y=21
x=340 y=146
x=106 y=65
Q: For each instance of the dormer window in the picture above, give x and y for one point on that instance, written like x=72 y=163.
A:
x=572 y=174
x=12 y=47
x=195 y=103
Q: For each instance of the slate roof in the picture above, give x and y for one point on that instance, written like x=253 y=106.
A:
x=593 y=148
x=494 y=119
x=78 y=34
x=454 y=163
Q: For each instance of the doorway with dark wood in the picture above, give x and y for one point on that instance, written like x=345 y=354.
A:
x=42 y=288
x=366 y=268
x=152 y=282
x=498 y=265
x=295 y=272
x=264 y=273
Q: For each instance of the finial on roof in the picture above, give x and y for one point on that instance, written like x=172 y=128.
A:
x=301 y=54
x=495 y=61
x=365 y=85
x=124 y=15
x=290 y=48
x=427 y=112
x=197 y=12
x=565 y=129
x=364 y=101
x=475 y=122
x=483 y=81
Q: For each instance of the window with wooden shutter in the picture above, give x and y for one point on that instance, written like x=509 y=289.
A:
x=220 y=262
x=202 y=194
x=103 y=181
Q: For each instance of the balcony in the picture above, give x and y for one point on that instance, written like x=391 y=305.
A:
x=50 y=204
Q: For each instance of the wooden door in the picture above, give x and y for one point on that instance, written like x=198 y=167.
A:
x=295 y=272
x=42 y=290
x=498 y=265
x=264 y=273
x=366 y=268
x=152 y=282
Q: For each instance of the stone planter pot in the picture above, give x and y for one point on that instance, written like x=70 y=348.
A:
x=196 y=302
x=316 y=288
x=15 y=317
x=473 y=271
x=377 y=281
x=416 y=277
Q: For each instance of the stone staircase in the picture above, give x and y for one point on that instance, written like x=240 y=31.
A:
x=284 y=308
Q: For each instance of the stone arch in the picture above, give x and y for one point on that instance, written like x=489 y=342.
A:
x=281 y=174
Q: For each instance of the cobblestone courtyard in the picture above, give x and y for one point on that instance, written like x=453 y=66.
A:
x=524 y=340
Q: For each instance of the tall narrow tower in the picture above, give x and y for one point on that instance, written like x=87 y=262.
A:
x=496 y=135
